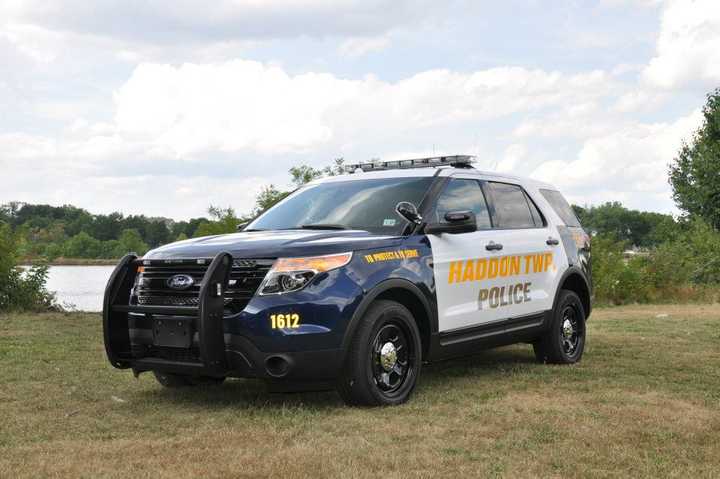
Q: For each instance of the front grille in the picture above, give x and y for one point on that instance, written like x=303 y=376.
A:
x=152 y=287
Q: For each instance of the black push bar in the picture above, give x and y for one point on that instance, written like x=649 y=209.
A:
x=209 y=313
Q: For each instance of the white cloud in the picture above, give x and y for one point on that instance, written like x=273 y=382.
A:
x=249 y=106
x=629 y=164
x=171 y=21
x=688 y=48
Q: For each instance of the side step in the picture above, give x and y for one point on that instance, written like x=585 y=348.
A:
x=209 y=314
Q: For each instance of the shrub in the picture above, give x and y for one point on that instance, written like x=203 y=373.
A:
x=20 y=290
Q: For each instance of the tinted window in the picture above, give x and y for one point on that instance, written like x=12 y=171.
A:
x=463 y=195
x=511 y=206
x=561 y=207
x=356 y=204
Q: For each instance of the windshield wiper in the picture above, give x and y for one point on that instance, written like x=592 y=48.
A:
x=323 y=226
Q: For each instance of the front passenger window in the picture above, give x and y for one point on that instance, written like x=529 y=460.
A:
x=463 y=195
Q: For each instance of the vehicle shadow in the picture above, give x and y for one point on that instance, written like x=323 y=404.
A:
x=250 y=394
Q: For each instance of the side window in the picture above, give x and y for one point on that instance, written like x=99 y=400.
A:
x=561 y=207
x=463 y=195
x=511 y=206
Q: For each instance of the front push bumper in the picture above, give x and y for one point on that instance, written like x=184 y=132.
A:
x=127 y=331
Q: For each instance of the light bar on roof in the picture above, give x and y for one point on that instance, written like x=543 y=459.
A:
x=458 y=161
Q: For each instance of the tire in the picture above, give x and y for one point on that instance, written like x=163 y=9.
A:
x=174 y=381
x=564 y=341
x=383 y=363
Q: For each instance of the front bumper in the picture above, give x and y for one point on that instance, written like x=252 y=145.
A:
x=242 y=358
x=217 y=346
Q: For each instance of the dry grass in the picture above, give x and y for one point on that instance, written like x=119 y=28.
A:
x=645 y=402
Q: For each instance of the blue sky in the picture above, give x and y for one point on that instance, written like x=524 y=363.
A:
x=164 y=108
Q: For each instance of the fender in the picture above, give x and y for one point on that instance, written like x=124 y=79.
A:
x=376 y=291
x=572 y=270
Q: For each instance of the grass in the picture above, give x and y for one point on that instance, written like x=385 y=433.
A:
x=644 y=402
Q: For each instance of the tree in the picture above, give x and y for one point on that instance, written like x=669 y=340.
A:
x=695 y=173
x=130 y=242
x=82 y=245
x=638 y=228
x=222 y=221
x=267 y=198
x=271 y=195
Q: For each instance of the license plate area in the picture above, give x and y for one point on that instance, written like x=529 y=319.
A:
x=172 y=332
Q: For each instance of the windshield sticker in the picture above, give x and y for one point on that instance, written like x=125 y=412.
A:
x=389 y=222
x=392 y=255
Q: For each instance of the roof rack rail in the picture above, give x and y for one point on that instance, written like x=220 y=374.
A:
x=457 y=161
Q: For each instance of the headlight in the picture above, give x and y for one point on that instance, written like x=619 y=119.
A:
x=293 y=274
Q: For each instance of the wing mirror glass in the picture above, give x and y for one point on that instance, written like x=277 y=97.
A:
x=408 y=211
x=242 y=226
x=455 y=222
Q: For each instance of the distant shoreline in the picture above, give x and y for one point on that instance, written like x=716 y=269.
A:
x=73 y=262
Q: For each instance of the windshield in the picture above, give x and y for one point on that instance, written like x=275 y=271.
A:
x=358 y=204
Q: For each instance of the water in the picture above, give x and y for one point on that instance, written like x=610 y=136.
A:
x=79 y=288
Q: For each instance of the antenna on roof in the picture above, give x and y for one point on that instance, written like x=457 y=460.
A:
x=457 y=161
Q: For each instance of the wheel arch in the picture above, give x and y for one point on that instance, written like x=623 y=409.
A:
x=405 y=293
x=574 y=280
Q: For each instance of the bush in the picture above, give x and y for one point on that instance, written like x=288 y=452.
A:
x=20 y=290
x=686 y=267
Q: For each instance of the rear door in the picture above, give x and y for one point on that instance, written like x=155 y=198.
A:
x=528 y=242
x=505 y=269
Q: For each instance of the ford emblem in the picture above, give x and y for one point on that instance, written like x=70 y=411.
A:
x=180 y=281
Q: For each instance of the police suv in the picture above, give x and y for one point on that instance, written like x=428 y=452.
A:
x=352 y=282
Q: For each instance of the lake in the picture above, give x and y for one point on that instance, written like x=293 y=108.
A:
x=79 y=288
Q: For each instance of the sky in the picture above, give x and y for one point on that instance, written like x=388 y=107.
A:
x=166 y=107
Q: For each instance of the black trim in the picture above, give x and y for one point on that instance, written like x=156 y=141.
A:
x=493 y=328
x=116 y=333
x=471 y=340
x=574 y=270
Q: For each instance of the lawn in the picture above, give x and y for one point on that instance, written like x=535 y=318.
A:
x=644 y=402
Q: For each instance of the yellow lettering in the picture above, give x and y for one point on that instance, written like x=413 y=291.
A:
x=469 y=274
x=503 y=267
x=480 y=269
x=455 y=272
x=492 y=268
x=548 y=260
x=514 y=265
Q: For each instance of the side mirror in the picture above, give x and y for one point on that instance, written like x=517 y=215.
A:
x=456 y=222
x=242 y=226
x=408 y=211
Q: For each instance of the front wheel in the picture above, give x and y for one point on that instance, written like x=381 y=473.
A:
x=383 y=362
x=564 y=341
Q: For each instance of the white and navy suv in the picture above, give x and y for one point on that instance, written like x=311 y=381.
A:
x=353 y=282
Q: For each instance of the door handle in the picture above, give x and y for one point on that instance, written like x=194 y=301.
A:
x=492 y=246
x=552 y=242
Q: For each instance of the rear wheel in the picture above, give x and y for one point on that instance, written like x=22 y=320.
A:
x=384 y=359
x=170 y=380
x=564 y=342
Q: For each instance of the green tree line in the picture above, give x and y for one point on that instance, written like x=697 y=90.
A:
x=675 y=259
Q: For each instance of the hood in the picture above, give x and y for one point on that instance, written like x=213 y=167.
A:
x=274 y=244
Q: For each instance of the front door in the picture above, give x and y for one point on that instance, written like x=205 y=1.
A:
x=505 y=269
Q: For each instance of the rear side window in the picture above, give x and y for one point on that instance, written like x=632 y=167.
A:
x=513 y=207
x=463 y=195
x=561 y=207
